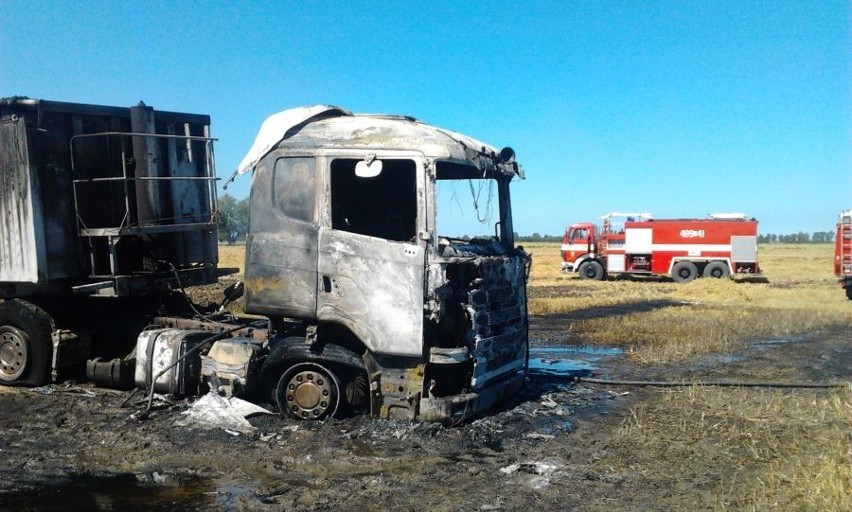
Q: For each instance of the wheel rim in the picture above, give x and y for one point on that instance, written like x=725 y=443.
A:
x=308 y=391
x=14 y=353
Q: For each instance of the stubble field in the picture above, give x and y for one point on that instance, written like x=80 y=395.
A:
x=772 y=449
x=558 y=445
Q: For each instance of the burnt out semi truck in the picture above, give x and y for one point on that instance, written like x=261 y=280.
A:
x=355 y=298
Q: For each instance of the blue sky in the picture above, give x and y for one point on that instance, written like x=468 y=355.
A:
x=676 y=108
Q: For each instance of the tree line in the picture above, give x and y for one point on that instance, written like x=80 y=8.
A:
x=232 y=222
x=818 y=237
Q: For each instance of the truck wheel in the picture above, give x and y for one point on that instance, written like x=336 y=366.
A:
x=591 y=270
x=308 y=391
x=684 y=271
x=25 y=346
x=717 y=269
x=849 y=290
x=356 y=394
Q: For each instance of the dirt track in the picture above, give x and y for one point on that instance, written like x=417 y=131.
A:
x=75 y=448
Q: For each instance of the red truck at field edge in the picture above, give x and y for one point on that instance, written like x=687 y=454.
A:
x=843 y=251
x=719 y=246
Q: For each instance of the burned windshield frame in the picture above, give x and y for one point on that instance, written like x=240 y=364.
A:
x=478 y=202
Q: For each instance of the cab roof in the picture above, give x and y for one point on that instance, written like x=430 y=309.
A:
x=329 y=127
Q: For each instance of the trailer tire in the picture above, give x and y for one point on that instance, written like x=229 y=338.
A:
x=717 y=269
x=684 y=271
x=591 y=270
x=25 y=344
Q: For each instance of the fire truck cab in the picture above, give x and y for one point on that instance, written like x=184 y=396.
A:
x=634 y=243
x=843 y=251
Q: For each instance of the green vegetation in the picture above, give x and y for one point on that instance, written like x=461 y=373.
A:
x=232 y=219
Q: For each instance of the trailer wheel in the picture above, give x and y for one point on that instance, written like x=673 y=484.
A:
x=308 y=391
x=717 y=269
x=591 y=270
x=25 y=346
x=684 y=271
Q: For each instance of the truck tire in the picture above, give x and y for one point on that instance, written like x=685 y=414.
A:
x=308 y=391
x=25 y=345
x=849 y=290
x=684 y=271
x=293 y=372
x=717 y=269
x=356 y=393
x=591 y=270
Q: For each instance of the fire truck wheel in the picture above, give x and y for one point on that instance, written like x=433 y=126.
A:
x=591 y=270
x=25 y=346
x=848 y=290
x=684 y=271
x=716 y=269
x=308 y=391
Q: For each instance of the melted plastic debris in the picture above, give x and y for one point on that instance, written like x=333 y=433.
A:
x=215 y=411
x=535 y=474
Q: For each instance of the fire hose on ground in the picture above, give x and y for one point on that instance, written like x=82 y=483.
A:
x=715 y=383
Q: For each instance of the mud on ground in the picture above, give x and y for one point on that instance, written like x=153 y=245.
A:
x=73 y=447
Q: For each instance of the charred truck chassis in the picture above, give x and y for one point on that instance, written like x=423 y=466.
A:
x=343 y=238
x=368 y=308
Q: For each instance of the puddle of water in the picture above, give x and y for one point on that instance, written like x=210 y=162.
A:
x=568 y=360
x=781 y=341
x=229 y=494
x=122 y=492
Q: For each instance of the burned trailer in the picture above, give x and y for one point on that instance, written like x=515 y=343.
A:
x=360 y=299
x=102 y=211
x=376 y=308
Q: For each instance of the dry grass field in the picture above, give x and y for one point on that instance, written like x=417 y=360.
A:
x=771 y=449
x=232 y=256
x=659 y=321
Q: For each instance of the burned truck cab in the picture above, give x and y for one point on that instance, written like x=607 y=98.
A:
x=386 y=293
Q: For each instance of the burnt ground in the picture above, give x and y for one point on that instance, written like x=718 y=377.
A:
x=74 y=447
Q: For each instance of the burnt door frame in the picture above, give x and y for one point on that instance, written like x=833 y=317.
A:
x=372 y=285
x=281 y=248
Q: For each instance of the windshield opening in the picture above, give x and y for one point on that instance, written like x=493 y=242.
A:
x=468 y=205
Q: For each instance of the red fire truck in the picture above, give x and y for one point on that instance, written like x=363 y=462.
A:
x=843 y=251
x=719 y=246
